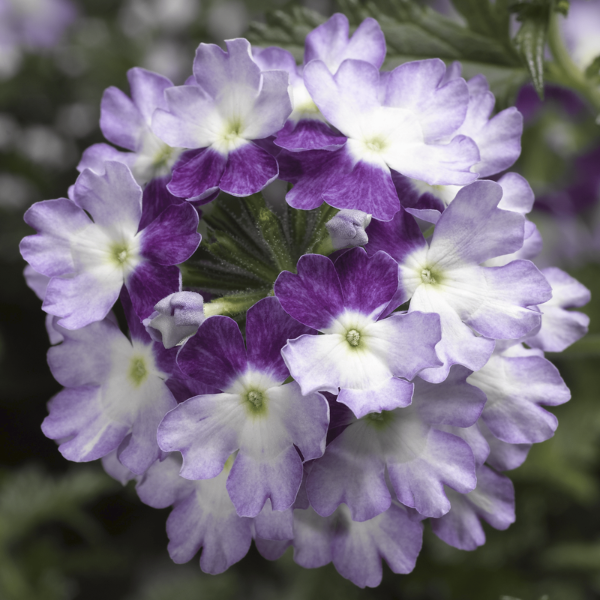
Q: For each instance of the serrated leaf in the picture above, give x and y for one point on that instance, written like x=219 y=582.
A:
x=531 y=42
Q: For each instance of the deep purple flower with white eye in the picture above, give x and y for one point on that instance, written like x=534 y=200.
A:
x=231 y=105
x=493 y=500
x=560 y=327
x=204 y=517
x=517 y=382
x=89 y=261
x=115 y=393
x=359 y=352
x=306 y=128
x=399 y=122
x=126 y=123
x=176 y=318
x=406 y=446
x=256 y=413
x=357 y=548
x=476 y=304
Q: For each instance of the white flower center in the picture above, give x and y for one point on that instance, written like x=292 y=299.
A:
x=427 y=277
x=353 y=337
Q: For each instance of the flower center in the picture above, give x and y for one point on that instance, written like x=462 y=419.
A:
x=380 y=420
x=137 y=371
x=353 y=337
x=375 y=145
x=427 y=276
x=256 y=403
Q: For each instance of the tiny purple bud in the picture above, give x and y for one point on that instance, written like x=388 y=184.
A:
x=176 y=318
x=347 y=228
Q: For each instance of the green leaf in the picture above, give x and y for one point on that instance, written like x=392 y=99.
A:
x=592 y=72
x=531 y=39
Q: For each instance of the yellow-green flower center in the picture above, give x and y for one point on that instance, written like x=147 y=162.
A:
x=137 y=371
x=353 y=337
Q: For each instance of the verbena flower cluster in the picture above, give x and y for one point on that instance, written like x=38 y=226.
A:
x=327 y=374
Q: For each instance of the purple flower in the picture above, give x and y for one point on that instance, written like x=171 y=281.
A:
x=229 y=105
x=347 y=229
x=493 y=500
x=126 y=123
x=360 y=352
x=256 y=414
x=90 y=261
x=560 y=327
x=204 y=517
x=405 y=445
x=176 y=318
x=476 y=304
x=517 y=381
x=357 y=548
x=306 y=128
x=115 y=394
x=395 y=123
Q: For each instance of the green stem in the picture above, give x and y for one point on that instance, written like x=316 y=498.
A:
x=235 y=304
x=564 y=70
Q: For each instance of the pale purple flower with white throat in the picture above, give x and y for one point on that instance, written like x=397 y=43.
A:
x=359 y=353
x=404 y=446
x=255 y=414
x=126 y=121
x=228 y=106
x=476 y=304
x=306 y=128
x=115 y=393
x=203 y=516
x=89 y=261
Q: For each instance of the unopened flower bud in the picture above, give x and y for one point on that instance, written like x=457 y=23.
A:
x=176 y=318
x=347 y=229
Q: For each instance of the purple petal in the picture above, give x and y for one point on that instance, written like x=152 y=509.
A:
x=112 y=198
x=329 y=42
x=83 y=299
x=399 y=237
x=249 y=169
x=216 y=354
x=350 y=471
x=394 y=393
x=359 y=548
x=156 y=198
x=95 y=156
x=510 y=290
x=313 y=296
x=203 y=433
x=515 y=388
x=268 y=328
x=308 y=134
x=120 y=120
x=149 y=284
x=254 y=479
x=147 y=91
x=418 y=86
x=56 y=221
x=517 y=194
x=472 y=229
x=272 y=524
x=197 y=174
x=503 y=456
x=493 y=500
x=171 y=238
x=368 y=283
x=77 y=415
x=453 y=402
x=362 y=186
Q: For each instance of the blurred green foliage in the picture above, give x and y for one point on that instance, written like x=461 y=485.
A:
x=70 y=532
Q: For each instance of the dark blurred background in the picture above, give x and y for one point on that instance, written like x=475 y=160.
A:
x=67 y=530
